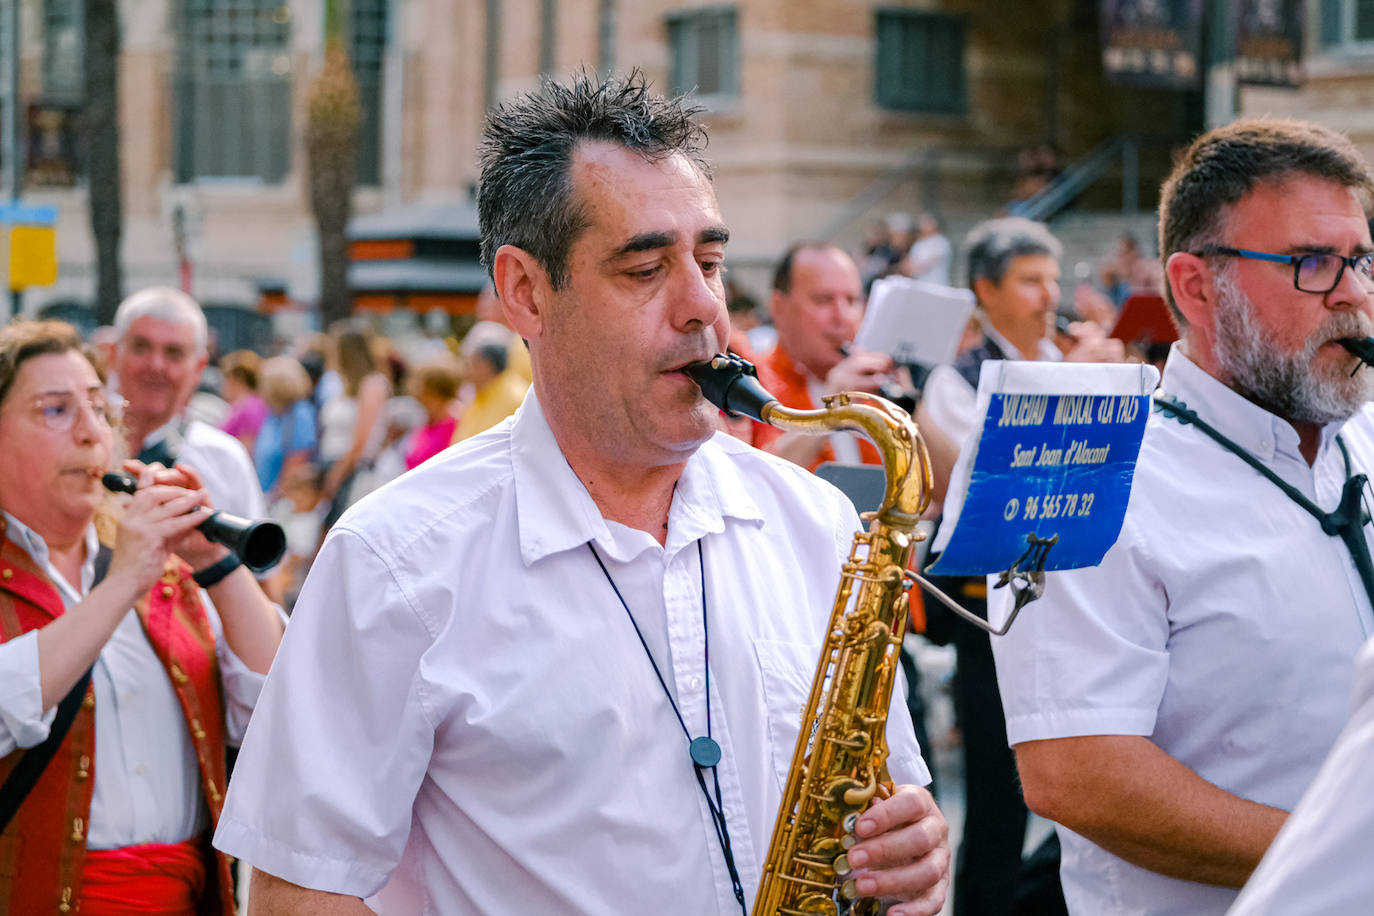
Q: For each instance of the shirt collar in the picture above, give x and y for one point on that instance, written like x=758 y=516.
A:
x=33 y=544
x=174 y=430
x=1044 y=347
x=1239 y=419
x=556 y=513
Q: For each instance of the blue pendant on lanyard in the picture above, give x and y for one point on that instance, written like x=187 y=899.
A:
x=705 y=751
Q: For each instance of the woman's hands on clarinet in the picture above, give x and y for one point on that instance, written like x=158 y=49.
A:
x=159 y=519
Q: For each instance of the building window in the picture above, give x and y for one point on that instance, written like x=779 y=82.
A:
x=1347 y=23
x=55 y=152
x=63 y=48
x=920 y=62
x=703 y=46
x=233 y=90
x=367 y=43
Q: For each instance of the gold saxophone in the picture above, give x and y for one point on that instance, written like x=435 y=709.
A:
x=833 y=777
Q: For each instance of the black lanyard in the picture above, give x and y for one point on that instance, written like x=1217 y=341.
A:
x=704 y=750
x=1347 y=520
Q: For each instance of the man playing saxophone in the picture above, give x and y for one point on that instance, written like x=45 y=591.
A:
x=560 y=668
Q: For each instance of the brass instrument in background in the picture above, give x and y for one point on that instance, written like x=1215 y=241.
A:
x=833 y=778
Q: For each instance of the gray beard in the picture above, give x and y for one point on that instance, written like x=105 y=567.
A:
x=1289 y=385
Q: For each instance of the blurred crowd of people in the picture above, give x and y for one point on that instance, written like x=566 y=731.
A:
x=336 y=415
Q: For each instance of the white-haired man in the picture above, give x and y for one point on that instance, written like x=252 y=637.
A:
x=160 y=352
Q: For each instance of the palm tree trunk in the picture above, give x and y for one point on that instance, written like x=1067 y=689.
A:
x=331 y=139
x=101 y=116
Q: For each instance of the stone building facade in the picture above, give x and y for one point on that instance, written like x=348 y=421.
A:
x=823 y=114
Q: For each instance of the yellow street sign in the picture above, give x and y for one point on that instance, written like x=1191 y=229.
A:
x=33 y=256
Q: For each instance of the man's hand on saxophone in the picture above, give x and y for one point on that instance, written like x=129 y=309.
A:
x=904 y=853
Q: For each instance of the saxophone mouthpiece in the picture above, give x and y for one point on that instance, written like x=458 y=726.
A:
x=1361 y=347
x=732 y=384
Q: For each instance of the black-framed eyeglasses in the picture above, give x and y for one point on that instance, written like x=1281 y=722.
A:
x=1312 y=273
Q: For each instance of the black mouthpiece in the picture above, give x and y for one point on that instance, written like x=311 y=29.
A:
x=119 y=483
x=732 y=384
x=1360 y=347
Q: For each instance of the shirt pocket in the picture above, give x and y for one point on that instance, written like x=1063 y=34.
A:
x=785 y=670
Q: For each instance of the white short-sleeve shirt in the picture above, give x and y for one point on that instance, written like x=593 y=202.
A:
x=1319 y=862
x=1223 y=625
x=462 y=712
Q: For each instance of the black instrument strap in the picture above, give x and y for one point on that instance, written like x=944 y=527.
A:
x=160 y=452
x=30 y=768
x=1347 y=520
x=699 y=763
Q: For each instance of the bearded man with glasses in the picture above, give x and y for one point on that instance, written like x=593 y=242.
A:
x=1169 y=707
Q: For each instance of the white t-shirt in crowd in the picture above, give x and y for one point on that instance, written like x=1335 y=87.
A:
x=936 y=250
x=1319 y=862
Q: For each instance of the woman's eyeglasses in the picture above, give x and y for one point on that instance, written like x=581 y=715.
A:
x=59 y=409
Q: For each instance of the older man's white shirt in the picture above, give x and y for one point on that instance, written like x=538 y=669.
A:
x=1223 y=625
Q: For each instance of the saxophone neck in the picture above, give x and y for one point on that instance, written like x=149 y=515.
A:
x=732 y=384
x=892 y=432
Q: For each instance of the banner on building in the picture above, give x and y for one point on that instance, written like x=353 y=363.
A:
x=1269 y=42
x=1155 y=43
x=55 y=146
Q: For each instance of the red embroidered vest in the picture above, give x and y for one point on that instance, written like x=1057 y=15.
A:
x=44 y=847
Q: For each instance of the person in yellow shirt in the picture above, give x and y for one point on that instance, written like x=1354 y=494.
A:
x=491 y=323
x=499 y=390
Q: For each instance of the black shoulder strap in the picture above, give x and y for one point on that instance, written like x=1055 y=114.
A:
x=1346 y=521
x=970 y=363
x=25 y=775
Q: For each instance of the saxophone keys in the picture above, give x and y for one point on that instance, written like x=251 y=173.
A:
x=851 y=820
x=850 y=890
x=842 y=867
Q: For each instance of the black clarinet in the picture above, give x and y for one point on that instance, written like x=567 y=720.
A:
x=259 y=544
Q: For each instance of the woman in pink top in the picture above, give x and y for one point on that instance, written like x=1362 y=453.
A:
x=247 y=410
x=435 y=386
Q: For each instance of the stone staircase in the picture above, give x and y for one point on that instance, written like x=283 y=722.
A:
x=1089 y=238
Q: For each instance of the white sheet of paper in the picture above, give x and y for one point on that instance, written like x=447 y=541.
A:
x=914 y=321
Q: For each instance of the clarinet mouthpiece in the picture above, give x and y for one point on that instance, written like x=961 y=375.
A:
x=119 y=483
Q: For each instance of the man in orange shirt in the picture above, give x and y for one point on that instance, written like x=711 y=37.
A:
x=817 y=306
